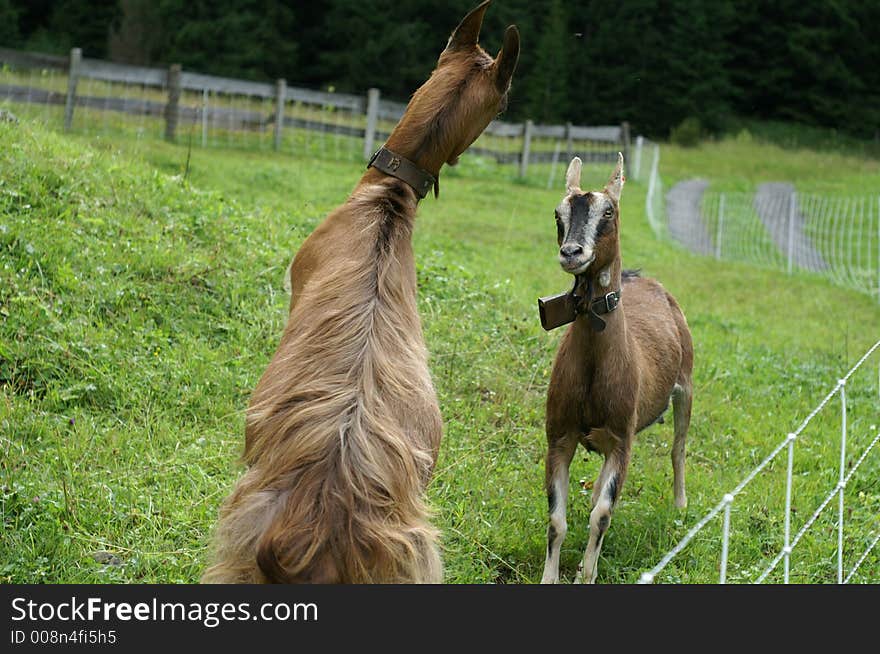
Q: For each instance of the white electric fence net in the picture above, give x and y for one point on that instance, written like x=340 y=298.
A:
x=789 y=542
x=836 y=237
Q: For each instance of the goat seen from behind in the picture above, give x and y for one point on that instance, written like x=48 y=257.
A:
x=343 y=428
x=626 y=353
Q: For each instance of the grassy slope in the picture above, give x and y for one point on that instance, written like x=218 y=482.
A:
x=740 y=164
x=137 y=312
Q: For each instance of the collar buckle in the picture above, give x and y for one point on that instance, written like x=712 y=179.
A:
x=405 y=170
x=612 y=299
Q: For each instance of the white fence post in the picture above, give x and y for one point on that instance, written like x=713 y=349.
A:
x=725 y=538
x=625 y=140
x=786 y=549
x=372 y=119
x=72 y=78
x=842 y=483
x=652 y=189
x=720 y=232
x=637 y=160
x=527 y=146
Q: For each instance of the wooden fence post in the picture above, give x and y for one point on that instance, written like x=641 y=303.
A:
x=204 y=118
x=173 y=106
x=569 y=143
x=280 y=97
x=792 y=205
x=624 y=137
x=72 y=78
x=527 y=146
x=372 y=119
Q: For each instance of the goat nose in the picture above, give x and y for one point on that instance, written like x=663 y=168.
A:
x=570 y=250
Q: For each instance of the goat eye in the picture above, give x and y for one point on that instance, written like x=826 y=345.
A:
x=609 y=213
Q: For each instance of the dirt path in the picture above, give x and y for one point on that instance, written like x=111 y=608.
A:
x=773 y=204
x=685 y=218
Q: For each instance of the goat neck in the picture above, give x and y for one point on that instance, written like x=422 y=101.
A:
x=589 y=288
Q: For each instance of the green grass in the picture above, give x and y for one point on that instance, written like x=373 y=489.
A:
x=799 y=137
x=742 y=163
x=138 y=310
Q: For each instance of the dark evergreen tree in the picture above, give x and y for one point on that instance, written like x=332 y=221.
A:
x=650 y=62
x=862 y=117
x=695 y=64
x=9 y=34
x=136 y=38
x=33 y=15
x=389 y=44
x=547 y=87
x=254 y=39
x=81 y=23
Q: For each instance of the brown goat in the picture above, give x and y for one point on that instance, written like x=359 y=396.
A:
x=343 y=428
x=613 y=375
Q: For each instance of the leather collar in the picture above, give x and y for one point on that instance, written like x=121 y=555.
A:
x=405 y=170
x=596 y=307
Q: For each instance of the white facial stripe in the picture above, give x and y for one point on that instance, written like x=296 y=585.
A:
x=588 y=236
x=564 y=211
x=589 y=239
x=557 y=524
x=581 y=218
x=596 y=218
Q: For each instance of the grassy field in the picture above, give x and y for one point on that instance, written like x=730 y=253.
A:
x=138 y=309
x=741 y=163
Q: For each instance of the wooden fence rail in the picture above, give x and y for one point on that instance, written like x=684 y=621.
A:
x=520 y=143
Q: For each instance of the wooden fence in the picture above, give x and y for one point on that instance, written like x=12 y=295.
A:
x=210 y=104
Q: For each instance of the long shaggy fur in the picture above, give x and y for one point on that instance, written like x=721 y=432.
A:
x=335 y=484
x=343 y=428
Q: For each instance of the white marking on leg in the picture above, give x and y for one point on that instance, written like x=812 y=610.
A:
x=600 y=519
x=599 y=483
x=681 y=403
x=558 y=526
x=605 y=493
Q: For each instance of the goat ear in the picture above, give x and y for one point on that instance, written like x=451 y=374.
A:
x=468 y=31
x=615 y=182
x=573 y=175
x=505 y=62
